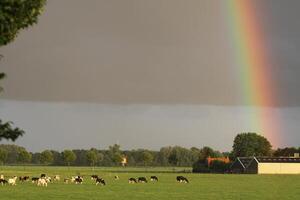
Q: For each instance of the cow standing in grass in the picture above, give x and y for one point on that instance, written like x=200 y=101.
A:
x=132 y=180
x=100 y=181
x=42 y=182
x=142 y=180
x=154 y=178
x=182 y=179
x=12 y=181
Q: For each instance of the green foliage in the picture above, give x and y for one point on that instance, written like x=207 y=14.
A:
x=3 y=156
x=147 y=158
x=286 y=152
x=69 y=157
x=8 y=132
x=251 y=144
x=115 y=154
x=46 y=157
x=92 y=157
x=16 y=15
x=24 y=156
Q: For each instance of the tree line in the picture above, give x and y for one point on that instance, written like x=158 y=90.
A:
x=166 y=156
x=244 y=144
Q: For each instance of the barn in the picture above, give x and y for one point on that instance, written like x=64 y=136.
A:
x=266 y=165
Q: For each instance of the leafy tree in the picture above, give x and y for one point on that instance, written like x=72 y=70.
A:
x=24 y=157
x=147 y=158
x=93 y=157
x=69 y=157
x=16 y=15
x=115 y=154
x=251 y=144
x=46 y=157
x=3 y=156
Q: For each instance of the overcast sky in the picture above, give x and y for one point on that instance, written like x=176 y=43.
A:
x=143 y=73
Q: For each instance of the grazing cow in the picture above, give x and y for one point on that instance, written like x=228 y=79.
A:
x=142 y=180
x=94 y=177
x=132 y=180
x=66 y=180
x=78 y=179
x=48 y=179
x=100 y=181
x=56 y=178
x=3 y=181
x=34 y=179
x=42 y=182
x=12 y=181
x=182 y=179
x=153 y=178
x=117 y=177
x=23 y=178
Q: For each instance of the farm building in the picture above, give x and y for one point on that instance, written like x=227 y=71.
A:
x=266 y=165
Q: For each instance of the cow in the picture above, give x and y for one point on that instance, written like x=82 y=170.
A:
x=12 y=181
x=42 y=182
x=117 y=177
x=182 y=179
x=23 y=178
x=34 y=179
x=66 y=180
x=3 y=181
x=48 y=179
x=78 y=180
x=153 y=178
x=56 y=178
x=142 y=180
x=73 y=178
x=100 y=181
x=94 y=177
x=132 y=180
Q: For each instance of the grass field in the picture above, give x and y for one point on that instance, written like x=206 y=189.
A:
x=201 y=186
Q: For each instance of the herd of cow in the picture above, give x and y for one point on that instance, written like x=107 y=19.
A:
x=43 y=180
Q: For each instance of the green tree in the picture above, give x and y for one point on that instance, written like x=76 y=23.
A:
x=46 y=157
x=115 y=154
x=16 y=15
x=3 y=156
x=147 y=158
x=24 y=157
x=69 y=157
x=251 y=144
x=92 y=157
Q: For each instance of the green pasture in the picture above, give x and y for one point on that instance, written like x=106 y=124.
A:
x=201 y=186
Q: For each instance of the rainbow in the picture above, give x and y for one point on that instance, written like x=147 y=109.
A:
x=253 y=67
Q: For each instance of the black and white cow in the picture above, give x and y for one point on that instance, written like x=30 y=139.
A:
x=34 y=179
x=142 y=180
x=94 y=177
x=132 y=180
x=182 y=179
x=153 y=178
x=78 y=180
x=3 y=181
x=23 y=178
x=100 y=181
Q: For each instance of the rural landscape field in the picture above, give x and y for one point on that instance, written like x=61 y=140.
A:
x=149 y=99
x=201 y=186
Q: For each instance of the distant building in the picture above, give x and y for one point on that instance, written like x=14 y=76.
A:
x=266 y=165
